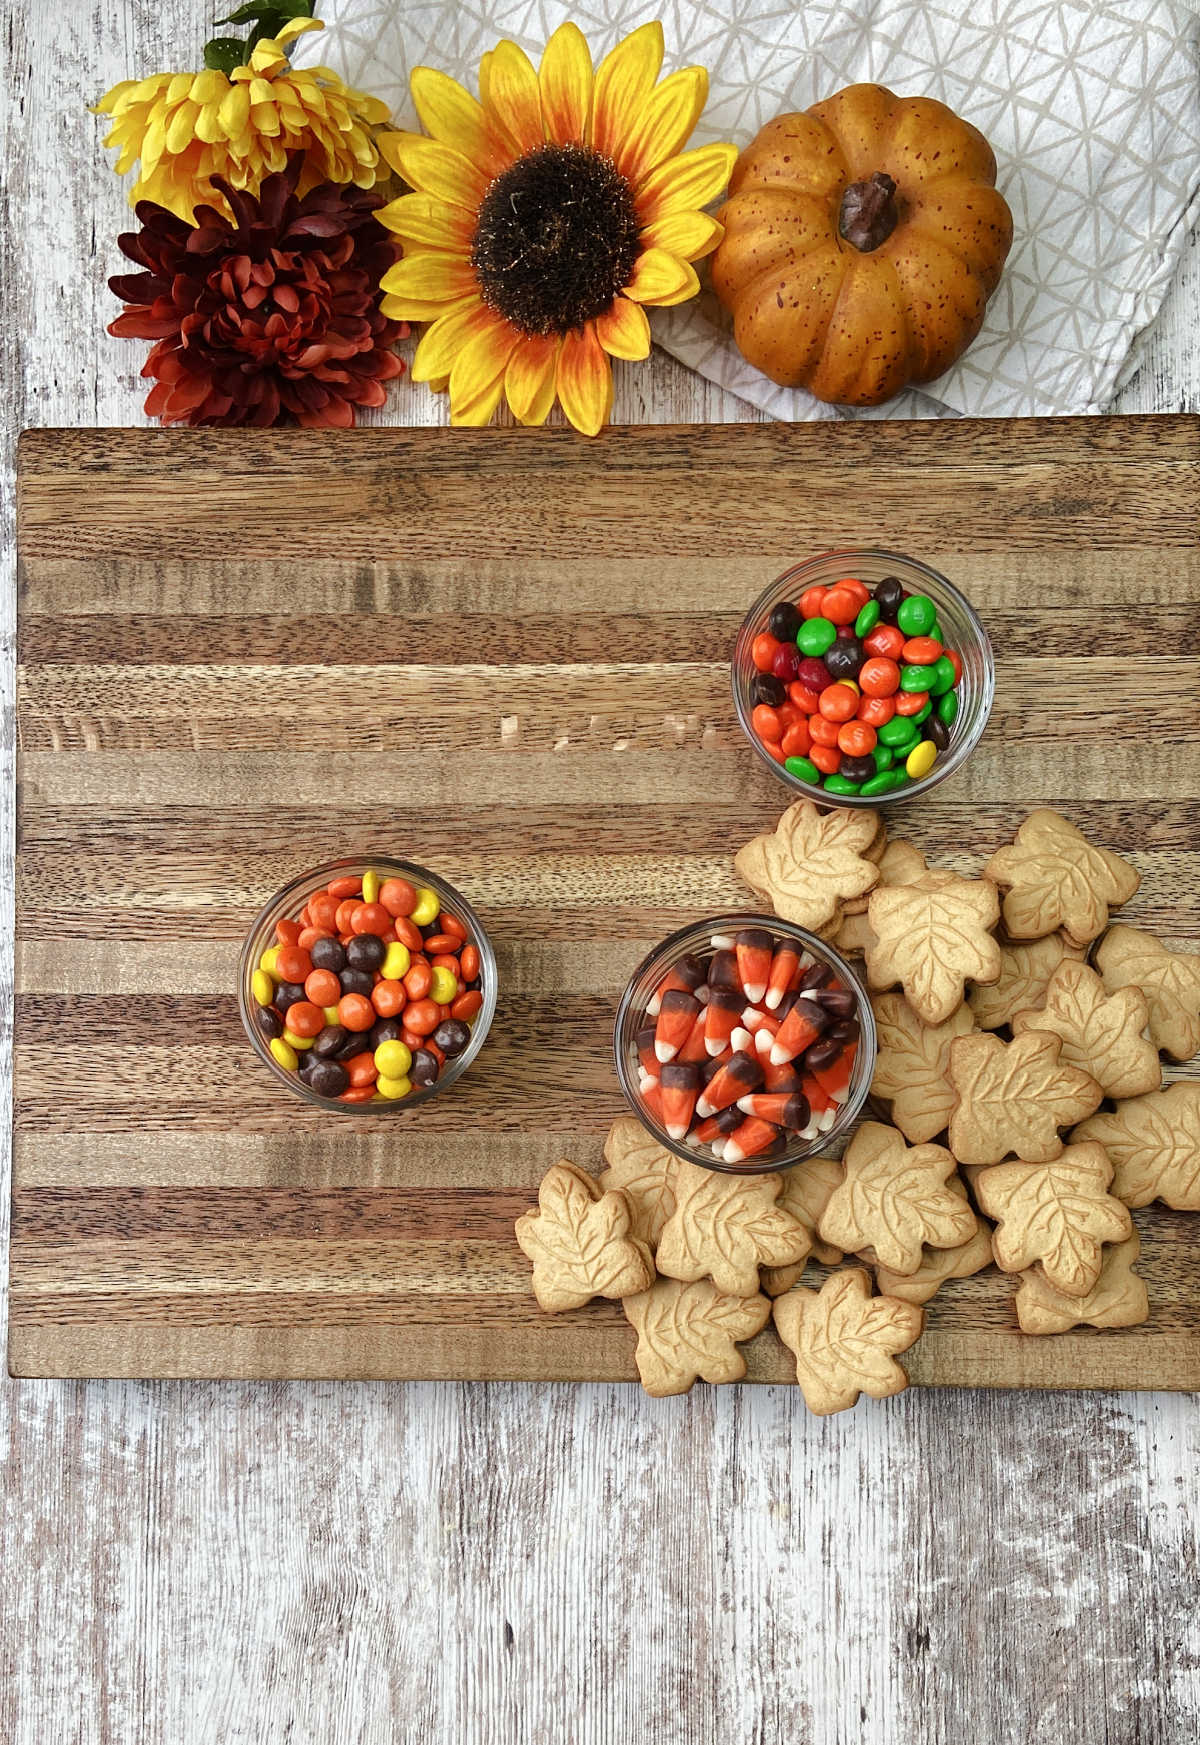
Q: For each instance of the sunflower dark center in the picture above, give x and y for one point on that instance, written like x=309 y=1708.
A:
x=557 y=238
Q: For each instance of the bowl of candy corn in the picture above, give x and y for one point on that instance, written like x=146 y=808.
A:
x=367 y=986
x=862 y=676
x=745 y=1044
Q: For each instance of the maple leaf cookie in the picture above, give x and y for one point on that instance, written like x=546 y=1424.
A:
x=1117 y=1299
x=1014 y=1097
x=1170 y=981
x=726 y=1227
x=895 y=1198
x=645 y=1171
x=811 y=862
x=1100 y=1035
x=1054 y=877
x=1154 y=1145
x=1024 y=971
x=689 y=1332
x=1060 y=1213
x=910 y=1068
x=806 y=1191
x=931 y=936
x=845 y=1340
x=579 y=1242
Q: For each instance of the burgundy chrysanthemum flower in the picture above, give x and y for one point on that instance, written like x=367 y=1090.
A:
x=271 y=319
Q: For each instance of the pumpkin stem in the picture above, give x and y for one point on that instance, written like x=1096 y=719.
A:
x=869 y=213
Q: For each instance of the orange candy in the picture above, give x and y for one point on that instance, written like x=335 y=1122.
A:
x=812 y=602
x=876 y=710
x=388 y=998
x=859 y=589
x=398 y=896
x=323 y=988
x=922 y=650
x=293 y=964
x=911 y=702
x=361 y=1069
x=796 y=740
x=469 y=961
x=355 y=1011
x=309 y=936
x=823 y=731
x=417 y=979
x=766 y=722
x=804 y=697
x=857 y=738
x=287 y=932
x=827 y=759
x=345 y=909
x=879 y=677
x=885 y=639
x=841 y=605
x=322 y=910
x=467 y=1005
x=345 y=887
x=408 y=933
x=370 y=918
x=452 y=924
x=838 y=702
x=305 y=1018
x=763 y=650
x=422 y=1017
x=358 y=1094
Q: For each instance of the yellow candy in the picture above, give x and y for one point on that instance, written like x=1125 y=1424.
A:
x=262 y=987
x=444 y=986
x=396 y=961
x=267 y=961
x=428 y=908
x=393 y=1088
x=921 y=759
x=850 y=686
x=331 y=1014
x=283 y=1054
x=297 y=1042
x=393 y=1059
x=370 y=886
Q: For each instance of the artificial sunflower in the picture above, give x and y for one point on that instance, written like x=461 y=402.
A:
x=242 y=126
x=547 y=216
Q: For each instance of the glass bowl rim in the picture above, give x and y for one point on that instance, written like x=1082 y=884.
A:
x=322 y=873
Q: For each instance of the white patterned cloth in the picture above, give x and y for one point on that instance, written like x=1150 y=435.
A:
x=1093 y=111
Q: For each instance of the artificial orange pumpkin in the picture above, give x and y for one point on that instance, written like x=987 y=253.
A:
x=863 y=238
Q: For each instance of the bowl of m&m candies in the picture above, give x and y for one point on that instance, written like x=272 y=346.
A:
x=862 y=676
x=745 y=1043
x=367 y=987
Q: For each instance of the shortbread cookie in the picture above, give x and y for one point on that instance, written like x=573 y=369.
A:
x=1059 y=1213
x=725 y=1227
x=1100 y=1035
x=932 y=936
x=900 y=864
x=895 y=1198
x=844 y=1340
x=812 y=861
x=579 y=1242
x=1024 y=971
x=910 y=1068
x=645 y=1171
x=1014 y=1097
x=1153 y=1143
x=806 y=1189
x=689 y=1331
x=1170 y=980
x=1054 y=877
x=938 y=1265
x=1117 y=1299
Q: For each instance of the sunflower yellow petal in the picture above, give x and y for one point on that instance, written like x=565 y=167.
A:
x=477 y=375
x=444 y=338
x=659 y=277
x=427 y=278
x=453 y=116
x=623 y=330
x=433 y=168
x=530 y=380
x=690 y=235
x=624 y=80
x=686 y=182
x=585 y=384
x=234 y=112
x=423 y=219
x=297 y=27
x=664 y=123
x=512 y=97
x=565 y=87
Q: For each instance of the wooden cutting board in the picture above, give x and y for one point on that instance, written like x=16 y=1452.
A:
x=504 y=654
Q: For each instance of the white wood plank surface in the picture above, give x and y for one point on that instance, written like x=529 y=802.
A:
x=486 y=1565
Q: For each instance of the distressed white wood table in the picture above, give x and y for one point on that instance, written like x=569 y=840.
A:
x=481 y=1565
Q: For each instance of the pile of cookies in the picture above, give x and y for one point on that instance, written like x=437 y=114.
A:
x=1039 y=1072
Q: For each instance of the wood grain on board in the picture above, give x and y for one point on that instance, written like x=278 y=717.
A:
x=504 y=654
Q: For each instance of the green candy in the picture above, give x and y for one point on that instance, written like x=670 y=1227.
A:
x=948 y=708
x=938 y=632
x=886 y=782
x=922 y=714
x=867 y=619
x=942 y=676
x=917 y=615
x=901 y=730
x=884 y=757
x=839 y=785
x=816 y=635
x=804 y=769
x=914 y=678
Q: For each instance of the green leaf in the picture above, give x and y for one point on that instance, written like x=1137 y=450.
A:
x=275 y=10
x=224 y=53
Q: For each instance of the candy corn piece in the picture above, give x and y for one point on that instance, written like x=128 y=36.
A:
x=753 y=947
x=716 y=1127
x=652 y=1101
x=819 y=1099
x=835 y=1080
x=676 y=1015
x=680 y=1088
x=748 y=1140
x=723 y=970
x=694 y=1048
x=781 y=1108
x=742 y=1040
x=799 y=1030
x=784 y=965
x=736 y=1078
x=647 y=1058
x=784 y=1077
x=721 y=1017
x=686 y=976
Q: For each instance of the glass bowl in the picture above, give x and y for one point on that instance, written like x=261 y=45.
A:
x=696 y=940
x=964 y=633
x=287 y=903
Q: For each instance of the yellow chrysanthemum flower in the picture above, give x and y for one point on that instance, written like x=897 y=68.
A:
x=189 y=127
x=546 y=217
